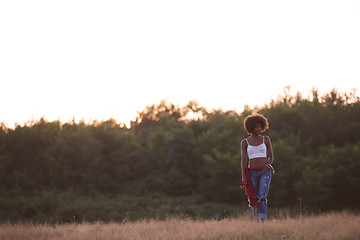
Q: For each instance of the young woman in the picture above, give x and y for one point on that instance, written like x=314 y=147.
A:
x=256 y=177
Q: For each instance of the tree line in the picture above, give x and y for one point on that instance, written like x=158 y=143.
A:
x=167 y=163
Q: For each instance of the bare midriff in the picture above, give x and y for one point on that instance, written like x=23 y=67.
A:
x=258 y=162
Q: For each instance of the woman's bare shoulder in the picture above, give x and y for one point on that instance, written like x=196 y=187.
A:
x=267 y=139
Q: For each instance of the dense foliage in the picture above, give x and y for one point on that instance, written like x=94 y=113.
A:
x=167 y=163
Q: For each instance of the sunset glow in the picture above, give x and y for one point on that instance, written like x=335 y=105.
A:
x=97 y=60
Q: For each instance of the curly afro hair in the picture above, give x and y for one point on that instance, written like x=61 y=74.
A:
x=251 y=120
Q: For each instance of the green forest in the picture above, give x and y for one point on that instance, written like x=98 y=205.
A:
x=167 y=163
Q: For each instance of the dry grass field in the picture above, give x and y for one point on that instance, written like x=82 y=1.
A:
x=330 y=226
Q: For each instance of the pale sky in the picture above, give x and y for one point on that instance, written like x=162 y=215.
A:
x=103 y=59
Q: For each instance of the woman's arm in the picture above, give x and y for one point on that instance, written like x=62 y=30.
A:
x=269 y=150
x=243 y=160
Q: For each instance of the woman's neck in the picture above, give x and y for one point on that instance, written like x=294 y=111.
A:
x=255 y=135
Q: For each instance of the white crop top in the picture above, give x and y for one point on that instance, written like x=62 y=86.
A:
x=256 y=151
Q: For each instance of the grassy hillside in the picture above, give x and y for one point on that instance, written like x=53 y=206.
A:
x=330 y=226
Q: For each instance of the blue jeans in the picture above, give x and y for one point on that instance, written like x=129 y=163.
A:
x=261 y=182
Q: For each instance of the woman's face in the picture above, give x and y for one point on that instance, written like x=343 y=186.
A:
x=257 y=129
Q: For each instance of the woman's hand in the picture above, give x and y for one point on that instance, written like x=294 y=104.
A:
x=265 y=169
x=244 y=181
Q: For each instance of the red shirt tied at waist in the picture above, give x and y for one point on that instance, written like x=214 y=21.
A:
x=249 y=189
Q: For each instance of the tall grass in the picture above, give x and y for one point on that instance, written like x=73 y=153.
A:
x=329 y=226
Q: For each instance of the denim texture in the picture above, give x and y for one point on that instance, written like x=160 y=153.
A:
x=261 y=182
